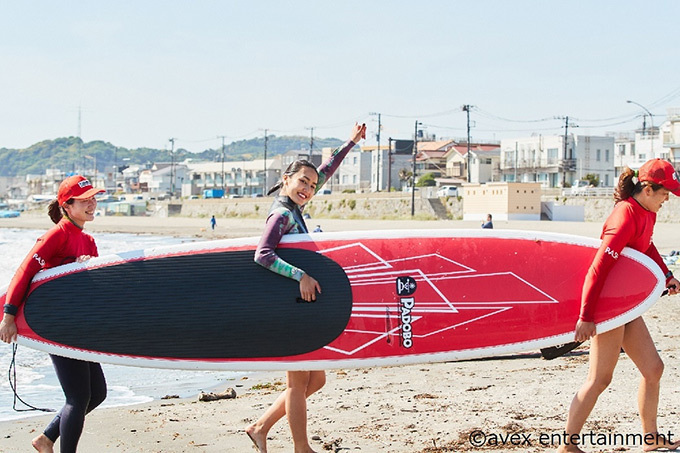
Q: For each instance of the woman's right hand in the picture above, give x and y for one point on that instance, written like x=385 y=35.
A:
x=308 y=288
x=584 y=330
x=8 y=329
x=358 y=132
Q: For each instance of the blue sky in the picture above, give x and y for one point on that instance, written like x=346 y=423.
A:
x=141 y=72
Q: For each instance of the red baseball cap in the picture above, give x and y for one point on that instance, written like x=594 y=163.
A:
x=660 y=172
x=77 y=187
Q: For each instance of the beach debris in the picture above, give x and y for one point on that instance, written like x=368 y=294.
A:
x=170 y=397
x=229 y=393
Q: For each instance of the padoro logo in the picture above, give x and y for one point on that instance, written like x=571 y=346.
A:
x=406 y=286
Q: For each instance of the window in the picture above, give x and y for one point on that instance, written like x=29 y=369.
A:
x=606 y=155
x=622 y=150
x=552 y=155
x=598 y=155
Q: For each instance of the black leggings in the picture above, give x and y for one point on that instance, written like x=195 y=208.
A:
x=85 y=388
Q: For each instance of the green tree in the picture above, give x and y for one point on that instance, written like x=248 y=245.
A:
x=593 y=179
x=427 y=180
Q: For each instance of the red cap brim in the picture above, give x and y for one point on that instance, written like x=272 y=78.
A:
x=89 y=193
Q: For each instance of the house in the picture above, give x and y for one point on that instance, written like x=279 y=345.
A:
x=431 y=157
x=484 y=163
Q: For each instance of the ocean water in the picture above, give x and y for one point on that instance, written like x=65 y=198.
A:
x=36 y=381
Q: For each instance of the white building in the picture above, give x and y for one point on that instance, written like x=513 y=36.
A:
x=241 y=178
x=163 y=178
x=670 y=131
x=354 y=173
x=547 y=160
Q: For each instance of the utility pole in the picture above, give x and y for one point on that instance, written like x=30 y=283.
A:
x=413 y=178
x=172 y=167
x=264 y=184
x=564 y=162
x=644 y=126
x=223 y=185
x=389 y=166
x=311 y=143
x=466 y=108
x=379 y=170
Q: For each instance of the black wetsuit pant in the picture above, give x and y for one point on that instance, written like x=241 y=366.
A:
x=84 y=388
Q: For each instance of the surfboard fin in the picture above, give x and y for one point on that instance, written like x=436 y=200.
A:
x=554 y=352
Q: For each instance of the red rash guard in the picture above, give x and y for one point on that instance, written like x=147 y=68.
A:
x=62 y=244
x=629 y=225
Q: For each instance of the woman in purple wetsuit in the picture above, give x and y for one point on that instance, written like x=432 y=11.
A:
x=83 y=382
x=297 y=186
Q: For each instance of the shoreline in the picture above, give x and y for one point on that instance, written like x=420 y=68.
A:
x=424 y=408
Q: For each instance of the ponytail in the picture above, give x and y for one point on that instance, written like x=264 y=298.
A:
x=626 y=187
x=55 y=211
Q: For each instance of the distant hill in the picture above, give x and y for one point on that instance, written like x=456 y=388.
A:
x=69 y=154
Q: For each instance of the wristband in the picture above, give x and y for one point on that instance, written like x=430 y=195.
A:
x=10 y=309
x=669 y=274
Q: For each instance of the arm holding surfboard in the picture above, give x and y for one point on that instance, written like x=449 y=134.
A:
x=298 y=184
x=639 y=196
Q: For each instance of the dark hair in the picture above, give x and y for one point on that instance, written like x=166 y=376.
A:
x=55 y=211
x=627 y=187
x=293 y=168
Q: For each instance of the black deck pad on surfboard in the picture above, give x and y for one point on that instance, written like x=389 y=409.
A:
x=209 y=305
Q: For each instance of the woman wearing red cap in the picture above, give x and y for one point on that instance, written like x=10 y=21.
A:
x=639 y=196
x=83 y=383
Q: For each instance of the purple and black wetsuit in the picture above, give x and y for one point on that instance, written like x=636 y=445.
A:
x=285 y=217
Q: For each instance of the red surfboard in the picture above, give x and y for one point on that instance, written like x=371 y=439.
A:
x=388 y=298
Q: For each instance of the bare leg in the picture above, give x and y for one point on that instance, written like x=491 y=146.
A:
x=604 y=353
x=296 y=405
x=638 y=344
x=43 y=444
x=258 y=431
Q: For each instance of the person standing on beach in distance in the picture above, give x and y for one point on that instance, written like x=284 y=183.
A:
x=83 y=382
x=213 y=222
x=630 y=224
x=488 y=224
x=297 y=186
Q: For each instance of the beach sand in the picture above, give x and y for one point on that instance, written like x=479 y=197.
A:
x=517 y=403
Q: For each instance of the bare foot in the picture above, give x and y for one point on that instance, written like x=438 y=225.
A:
x=43 y=444
x=258 y=438
x=569 y=449
x=659 y=442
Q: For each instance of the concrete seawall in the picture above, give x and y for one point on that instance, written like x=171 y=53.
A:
x=381 y=206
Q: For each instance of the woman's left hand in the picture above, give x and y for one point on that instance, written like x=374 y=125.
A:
x=584 y=330
x=83 y=258
x=673 y=286
x=308 y=288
